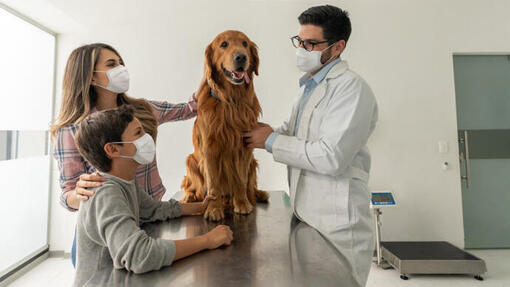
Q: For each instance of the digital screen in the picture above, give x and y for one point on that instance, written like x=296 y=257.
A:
x=382 y=198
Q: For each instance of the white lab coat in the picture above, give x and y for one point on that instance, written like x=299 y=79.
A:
x=328 y=164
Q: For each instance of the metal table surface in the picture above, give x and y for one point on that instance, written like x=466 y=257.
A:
x=271 y=247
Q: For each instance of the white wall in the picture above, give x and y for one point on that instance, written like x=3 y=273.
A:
x=402 y=48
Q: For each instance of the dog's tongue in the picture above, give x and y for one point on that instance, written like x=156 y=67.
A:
x=242 y=74
x=246 y=78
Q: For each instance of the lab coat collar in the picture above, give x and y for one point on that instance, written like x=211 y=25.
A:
x=322 y=74
x=337 y=70
x=320 y=91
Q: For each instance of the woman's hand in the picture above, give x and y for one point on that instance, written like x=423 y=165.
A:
x=81 y=192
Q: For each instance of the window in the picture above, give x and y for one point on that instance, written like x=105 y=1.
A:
x=27 y=57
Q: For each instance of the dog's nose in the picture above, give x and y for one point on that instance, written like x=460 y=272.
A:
x=240 y=58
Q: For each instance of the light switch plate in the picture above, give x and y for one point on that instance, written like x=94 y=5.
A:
x=442 y=146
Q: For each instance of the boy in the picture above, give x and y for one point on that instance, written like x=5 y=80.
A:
x=108 y=227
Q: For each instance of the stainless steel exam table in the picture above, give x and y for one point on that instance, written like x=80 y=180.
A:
x=270 y=248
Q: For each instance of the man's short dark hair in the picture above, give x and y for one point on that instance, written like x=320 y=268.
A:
x=98 y=129
x=334 y=21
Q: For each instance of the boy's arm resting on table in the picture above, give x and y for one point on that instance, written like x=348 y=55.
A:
x=111 y=221
x=190 y=246
x=220 y=235
x=196 y=208
x=153 y=210
x=192 y=208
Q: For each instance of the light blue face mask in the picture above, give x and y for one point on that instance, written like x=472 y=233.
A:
x=145 y=149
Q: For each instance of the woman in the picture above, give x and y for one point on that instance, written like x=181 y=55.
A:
x=96 y=79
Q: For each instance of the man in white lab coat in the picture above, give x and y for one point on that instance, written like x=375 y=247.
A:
x=323 y=143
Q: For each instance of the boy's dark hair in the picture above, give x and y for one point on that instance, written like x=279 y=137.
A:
x=334 y=21
x=98 y=129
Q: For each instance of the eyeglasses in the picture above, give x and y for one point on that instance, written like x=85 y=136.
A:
x=306 y=44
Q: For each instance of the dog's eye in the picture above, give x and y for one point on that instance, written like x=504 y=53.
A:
x=224 y=45
x=245 y=44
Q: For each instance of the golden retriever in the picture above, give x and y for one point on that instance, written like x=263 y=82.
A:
x=221 y=164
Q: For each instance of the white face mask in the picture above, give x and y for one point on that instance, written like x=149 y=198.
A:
x=145 y=149
x=118 y=79
x=310 y=61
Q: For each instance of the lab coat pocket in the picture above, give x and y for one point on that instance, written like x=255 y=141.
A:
x=319 y=206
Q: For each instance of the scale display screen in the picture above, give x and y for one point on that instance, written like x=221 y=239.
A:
x=382 y=198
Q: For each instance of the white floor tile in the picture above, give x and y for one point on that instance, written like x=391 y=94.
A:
x=60 y=272
x=51 y=272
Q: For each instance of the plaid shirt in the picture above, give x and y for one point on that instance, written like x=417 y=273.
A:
x=71 y=164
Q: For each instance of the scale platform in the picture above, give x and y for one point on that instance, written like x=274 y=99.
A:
x=431 y=257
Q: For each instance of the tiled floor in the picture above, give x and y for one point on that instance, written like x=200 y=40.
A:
x=51 y=272
x=59 y=272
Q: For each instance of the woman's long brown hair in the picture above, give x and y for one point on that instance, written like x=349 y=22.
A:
x=78 y=97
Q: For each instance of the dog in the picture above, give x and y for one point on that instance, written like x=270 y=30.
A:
x=221 y=164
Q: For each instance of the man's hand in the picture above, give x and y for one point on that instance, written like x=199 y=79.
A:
x=256 y=138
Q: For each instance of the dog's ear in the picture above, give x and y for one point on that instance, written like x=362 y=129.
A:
x=254 y=58
x=209 y=68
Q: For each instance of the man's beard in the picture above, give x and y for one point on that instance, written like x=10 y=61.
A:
x=326 y=56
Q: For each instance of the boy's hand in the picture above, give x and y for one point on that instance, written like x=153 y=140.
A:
x=196 y=208
x=205 y=203
x=220 y=235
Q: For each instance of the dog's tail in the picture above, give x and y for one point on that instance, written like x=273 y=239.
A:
x=261 y=196
x=193 y=181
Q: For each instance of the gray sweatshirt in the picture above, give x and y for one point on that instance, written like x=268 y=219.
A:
x=108 y=230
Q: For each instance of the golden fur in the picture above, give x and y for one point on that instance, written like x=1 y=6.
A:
x=221 y=164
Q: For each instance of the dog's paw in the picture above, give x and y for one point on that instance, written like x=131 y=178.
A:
x=189 y=197
x=214 y=213
x=243 y=207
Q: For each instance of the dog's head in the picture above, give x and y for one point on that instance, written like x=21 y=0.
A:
x=231 y=59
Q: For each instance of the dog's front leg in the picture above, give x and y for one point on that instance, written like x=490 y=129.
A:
x=214 y=210
x=242 y=204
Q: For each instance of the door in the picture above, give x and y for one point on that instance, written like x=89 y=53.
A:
x=482 y=88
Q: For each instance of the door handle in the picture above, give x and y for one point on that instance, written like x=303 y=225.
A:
x=467 y=164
